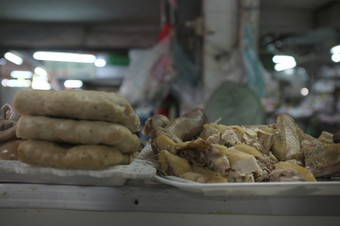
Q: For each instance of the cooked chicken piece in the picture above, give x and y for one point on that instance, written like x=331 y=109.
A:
x=326 y=137
x=250 y=140
x=322 y=158
x=231 y=137
x=188 y=126
x=164 y=140
x=265 y=137
x=242 y=162
x=165 y=134
x=202 y=153
x=193 y=176
x=249 y=150
x=236 y=176
x=260 y=137
x=288 y=171
x=204 y=175
x=286 y=143
x=172 y=164
x=177 y=166
x=295 y=162
x=253 y=151
x=209 y=130
x=153 y=123
x=212 y=132
x=248 y=153
x=285 y=175
x=265 y=162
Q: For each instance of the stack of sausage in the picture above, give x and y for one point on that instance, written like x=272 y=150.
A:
x=76 y=129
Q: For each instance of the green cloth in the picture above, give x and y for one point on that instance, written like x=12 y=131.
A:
x=235 y=104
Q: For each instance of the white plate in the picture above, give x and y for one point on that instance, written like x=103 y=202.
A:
x=258 y=188
x=140 y=168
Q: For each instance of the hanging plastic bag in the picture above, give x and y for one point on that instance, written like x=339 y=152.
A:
x=186 y=86
x=149 y=76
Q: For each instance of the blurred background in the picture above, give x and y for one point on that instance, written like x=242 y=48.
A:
x=244 y=62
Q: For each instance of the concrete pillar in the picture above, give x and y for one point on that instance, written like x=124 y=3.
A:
x=220 y=22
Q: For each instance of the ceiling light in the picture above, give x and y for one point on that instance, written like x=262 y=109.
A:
x=40 y=71
x=100 y=62
x=282 y=59
x=336 y=57
x=284 y=66
x=13 y=58
x=16 y=83
x=21 y=74
x=283 y=62
x=64 y=57
x=335 y=49
x=40 y=84
x=73 y=84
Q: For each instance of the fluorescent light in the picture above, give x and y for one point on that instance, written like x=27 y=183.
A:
x=13 y=58
x=335 y=49
x=284 y=66
x=283 y=62
x=16 y=83
x=336 y=57
x=40 y=71
x=73 y=83
x=40 y=79
x=64 y=57
x=282 y=58
x=21 y=74
x=100 y=62
x=40 y=84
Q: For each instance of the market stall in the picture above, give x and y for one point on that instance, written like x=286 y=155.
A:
x=183 y=113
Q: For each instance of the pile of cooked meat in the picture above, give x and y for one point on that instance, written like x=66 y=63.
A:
x=75 y=129
x=191 y=148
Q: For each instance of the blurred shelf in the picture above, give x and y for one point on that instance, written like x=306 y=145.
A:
x=159 y=198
